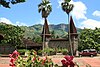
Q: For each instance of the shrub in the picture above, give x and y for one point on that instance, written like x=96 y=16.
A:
x=64 y=51
x=22 y=51
x=52 y=51
x=32 y=60
x=39 y=52
x=49 y=51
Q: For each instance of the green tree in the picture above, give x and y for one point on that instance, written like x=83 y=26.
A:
x=45 y=8
x=12 y=34
x=89 y=39
x=66 y=7
x=6 y=3
x=37 y=39
x=53 y=34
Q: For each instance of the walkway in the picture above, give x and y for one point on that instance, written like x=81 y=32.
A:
x=82 y=62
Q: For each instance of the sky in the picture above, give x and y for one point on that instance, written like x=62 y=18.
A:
x=86 y=13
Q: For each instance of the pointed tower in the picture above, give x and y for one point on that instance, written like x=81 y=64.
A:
x=46 y=33
x=74 y=36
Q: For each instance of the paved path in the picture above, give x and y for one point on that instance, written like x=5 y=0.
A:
x=94 y=62
x=82 y=62
x=4 y=65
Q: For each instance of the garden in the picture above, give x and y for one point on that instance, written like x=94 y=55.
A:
x=31 y=59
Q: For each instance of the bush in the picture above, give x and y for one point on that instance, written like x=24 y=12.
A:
x=22 y=51
x=52 y=51
x=59 y=50
x=39 y=52
x=64 y=51
x=32 y=60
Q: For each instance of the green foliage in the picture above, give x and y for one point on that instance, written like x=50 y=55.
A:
x=12 y=34
x=6 y=3
x=37 y=39
x=89 y=39
x=45 y=8
x=33 y=60
x=22 y=51
x=39 y=52
x=49 y=51
x=64 y=51
x=66 y=6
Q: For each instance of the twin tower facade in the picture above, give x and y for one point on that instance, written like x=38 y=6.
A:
x=61 y=42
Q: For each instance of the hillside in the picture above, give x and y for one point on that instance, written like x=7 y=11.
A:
x=59 y=30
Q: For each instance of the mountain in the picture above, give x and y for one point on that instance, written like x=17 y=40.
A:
x=36 y=30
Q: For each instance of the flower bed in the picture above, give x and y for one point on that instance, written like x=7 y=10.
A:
x=31 y=60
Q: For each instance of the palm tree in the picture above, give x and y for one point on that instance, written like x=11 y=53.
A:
x=45 y=9
x=66 y=7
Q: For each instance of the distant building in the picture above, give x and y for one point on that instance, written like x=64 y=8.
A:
x=29 y=44
x=61 y=43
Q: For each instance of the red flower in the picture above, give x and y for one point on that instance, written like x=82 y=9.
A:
x=35 y=52
x=34 y=58
x=13 y=57
x=12 y=62
x=43 y=61
x=10 y=55
x=69 y=58
x=65 y=63
x=68 y=61
x=16 y=52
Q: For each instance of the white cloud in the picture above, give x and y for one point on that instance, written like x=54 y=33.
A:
x=5 y=20
x=79 y=9
x=96 y=13
x=90 y=23
x=20 y=24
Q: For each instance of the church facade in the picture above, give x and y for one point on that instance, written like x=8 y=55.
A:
x=61 y=43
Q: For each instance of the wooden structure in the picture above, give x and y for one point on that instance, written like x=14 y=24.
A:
x=29 y=44
x=74 y=36
x=45 y=34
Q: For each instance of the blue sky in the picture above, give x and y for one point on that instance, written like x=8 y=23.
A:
x=86 y=13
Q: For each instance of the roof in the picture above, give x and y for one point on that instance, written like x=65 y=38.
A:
x=59 y=39
x=72 y=26
x=29 y=42
x=46 y=29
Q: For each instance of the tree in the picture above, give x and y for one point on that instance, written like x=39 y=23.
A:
x=66 y=7
x=6 y=3
x=45 y=9
x=37 y=39
x=89 y=39
x=53 y=34
x=12 y=34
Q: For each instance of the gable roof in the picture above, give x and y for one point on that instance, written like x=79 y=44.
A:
x=31 y=43
x=72 y=26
